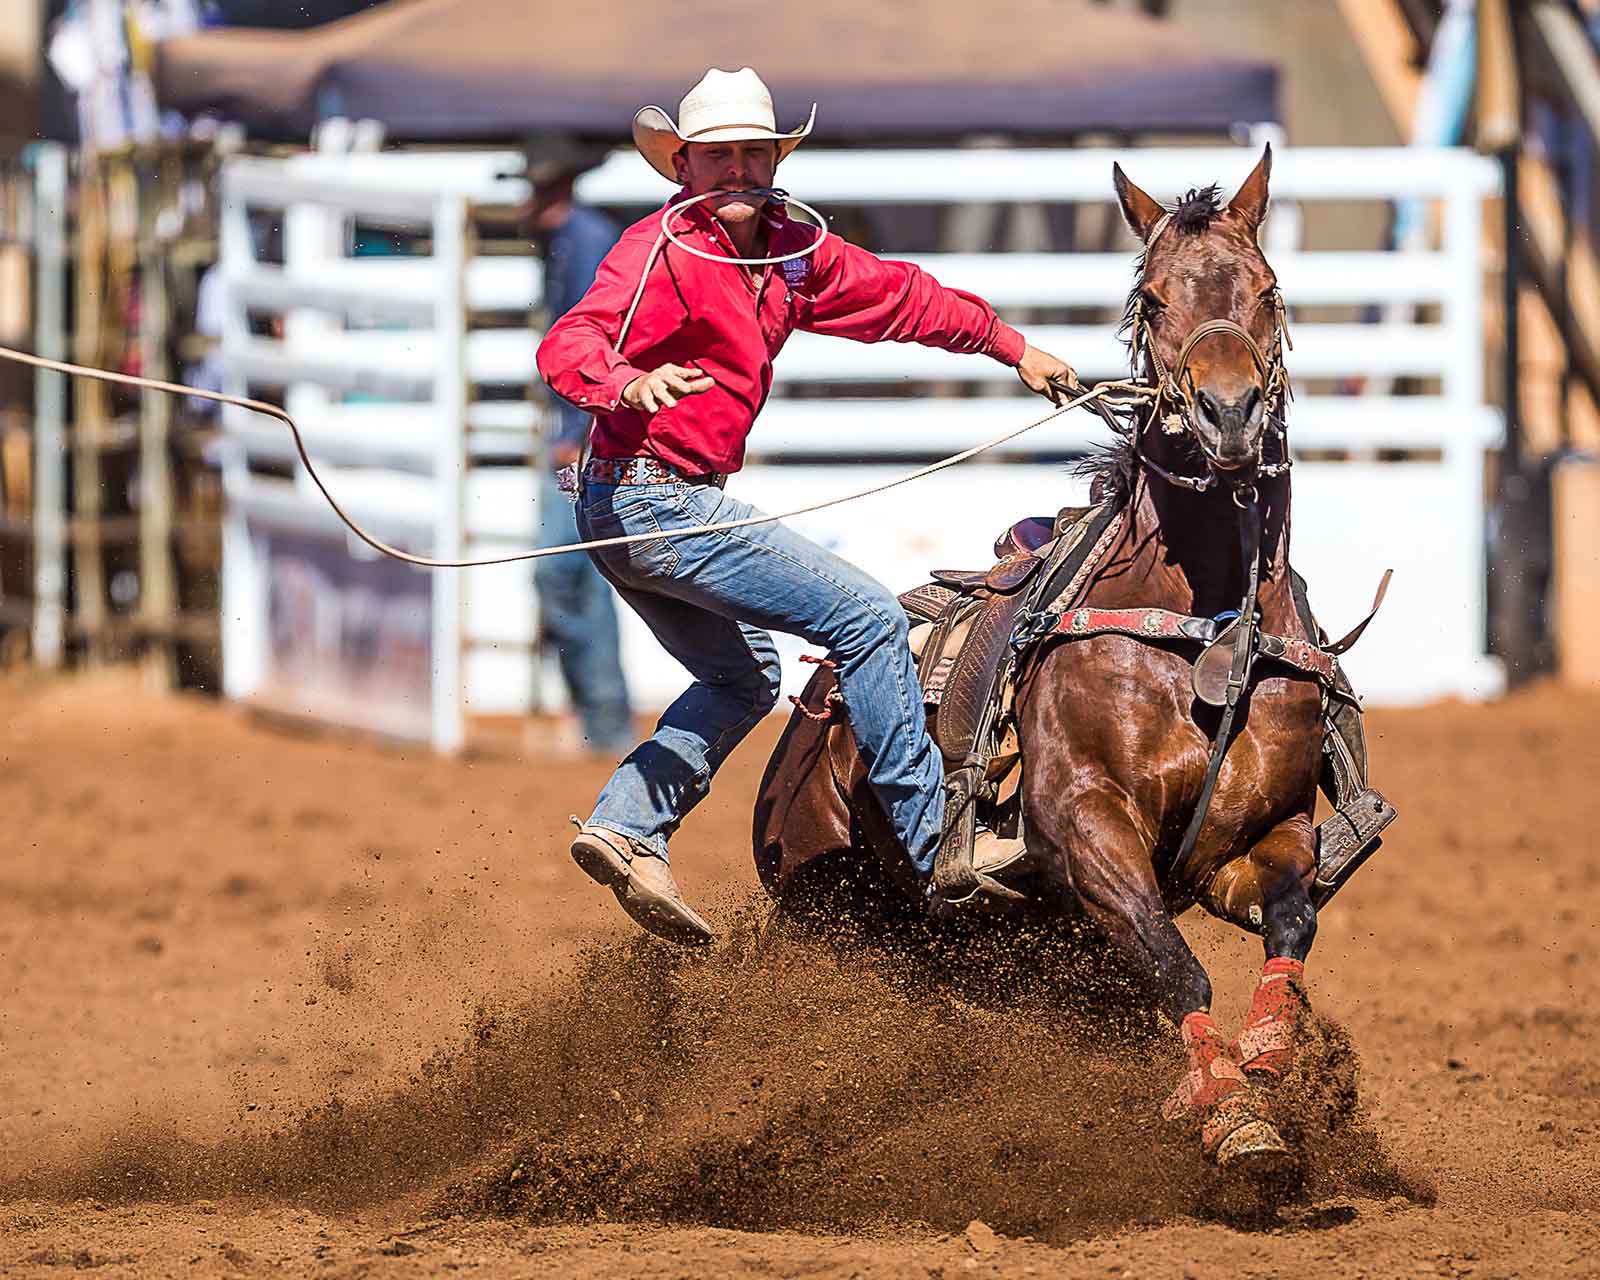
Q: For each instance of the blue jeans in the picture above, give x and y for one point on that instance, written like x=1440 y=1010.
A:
x=710 y=599
x=579 y=618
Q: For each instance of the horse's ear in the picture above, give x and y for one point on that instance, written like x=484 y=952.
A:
x=1139 y=209
x=1250 y=201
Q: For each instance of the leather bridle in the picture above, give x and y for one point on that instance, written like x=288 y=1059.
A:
x=1174 y=407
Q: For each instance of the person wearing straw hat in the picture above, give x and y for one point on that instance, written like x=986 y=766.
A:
x=671 y=352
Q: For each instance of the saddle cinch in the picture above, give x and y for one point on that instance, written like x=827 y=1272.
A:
x=971 y=630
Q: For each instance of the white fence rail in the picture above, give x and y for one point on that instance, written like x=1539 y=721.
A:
x=1383 y=479
x=312 y=624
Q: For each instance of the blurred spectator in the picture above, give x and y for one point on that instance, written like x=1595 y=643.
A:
x=97 y=87
x=577 y=610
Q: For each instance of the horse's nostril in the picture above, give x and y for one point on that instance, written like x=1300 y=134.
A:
x=1209 y=408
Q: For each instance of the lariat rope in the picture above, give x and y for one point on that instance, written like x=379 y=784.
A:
x=1131 y=393
x=1135 y=393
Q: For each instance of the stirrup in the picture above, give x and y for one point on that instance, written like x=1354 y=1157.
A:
x=987 y=894
x=1346 y=838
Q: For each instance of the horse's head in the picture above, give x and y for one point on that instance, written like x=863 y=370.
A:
x=1205 y=318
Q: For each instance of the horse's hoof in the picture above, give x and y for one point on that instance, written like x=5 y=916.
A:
x=1256 y=1175
x=1256 y=1150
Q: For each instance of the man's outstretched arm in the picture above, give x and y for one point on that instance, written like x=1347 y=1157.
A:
x=857 y=295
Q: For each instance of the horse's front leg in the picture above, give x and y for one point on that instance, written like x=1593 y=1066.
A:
x=1095 y=843
x=1095 y=847
x=1266 y=892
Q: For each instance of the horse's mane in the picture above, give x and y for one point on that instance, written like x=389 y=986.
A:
x=1111 y=468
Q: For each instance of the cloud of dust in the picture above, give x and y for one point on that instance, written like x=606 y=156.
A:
x=779 y=1080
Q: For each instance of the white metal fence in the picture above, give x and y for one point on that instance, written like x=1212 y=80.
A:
x=1383 y=479
x=312 y=623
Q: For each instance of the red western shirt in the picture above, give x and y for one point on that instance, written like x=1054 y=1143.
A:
x=730 y=321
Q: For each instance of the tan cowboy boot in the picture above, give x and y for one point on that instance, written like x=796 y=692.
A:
x=994 y=856
x=643 y=884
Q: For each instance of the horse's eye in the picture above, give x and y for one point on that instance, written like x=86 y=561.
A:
x=1151 y=302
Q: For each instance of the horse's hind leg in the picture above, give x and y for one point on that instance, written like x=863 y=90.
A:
x=1266 y=893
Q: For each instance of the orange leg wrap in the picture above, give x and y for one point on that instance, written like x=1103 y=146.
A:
x=1267 y=1042
x=1214 y=1091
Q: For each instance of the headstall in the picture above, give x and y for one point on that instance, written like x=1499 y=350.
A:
x=1173 y=403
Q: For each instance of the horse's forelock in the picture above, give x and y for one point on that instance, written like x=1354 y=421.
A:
x=1195 y=212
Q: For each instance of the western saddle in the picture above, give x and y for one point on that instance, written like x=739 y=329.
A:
x=972 y=630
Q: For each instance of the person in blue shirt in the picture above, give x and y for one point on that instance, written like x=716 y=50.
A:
x=577 y=610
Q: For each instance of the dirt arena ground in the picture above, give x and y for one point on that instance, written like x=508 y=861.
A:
x=284 y=1003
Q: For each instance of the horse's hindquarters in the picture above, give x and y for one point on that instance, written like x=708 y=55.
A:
x=802 y=811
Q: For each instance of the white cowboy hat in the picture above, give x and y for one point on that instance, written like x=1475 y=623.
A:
x=726 y=106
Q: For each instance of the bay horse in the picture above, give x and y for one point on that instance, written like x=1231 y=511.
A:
x=1138 y=799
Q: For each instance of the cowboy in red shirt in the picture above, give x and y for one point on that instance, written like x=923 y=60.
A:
x=671 y=350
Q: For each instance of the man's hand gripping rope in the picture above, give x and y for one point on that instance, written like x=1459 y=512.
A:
x=1056 y=377
x=1046 y=375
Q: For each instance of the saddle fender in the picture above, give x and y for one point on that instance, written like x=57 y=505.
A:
x=801 y=812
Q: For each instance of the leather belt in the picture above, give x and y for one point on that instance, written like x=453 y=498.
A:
x=644 y=471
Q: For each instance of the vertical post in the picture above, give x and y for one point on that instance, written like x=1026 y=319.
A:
x=1519 y=625
x=1500 y=134
x=312 y=236
x=1520 y=564
x=50 y=405
x=242 y=592
x=91 y=404
x=450 y=237
x=1464 y=456
x=1511 y=286
x=157 y=593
